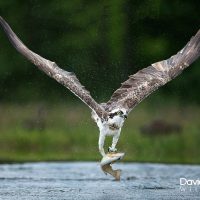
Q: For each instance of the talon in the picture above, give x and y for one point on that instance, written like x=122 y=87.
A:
x=112 y=150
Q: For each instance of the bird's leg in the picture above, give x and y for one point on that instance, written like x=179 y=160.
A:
x=114 y=143
x=101 y=144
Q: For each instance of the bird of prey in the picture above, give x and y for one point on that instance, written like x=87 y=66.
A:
x=110 y=116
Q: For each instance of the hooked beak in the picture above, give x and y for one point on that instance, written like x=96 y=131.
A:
x=125 y=116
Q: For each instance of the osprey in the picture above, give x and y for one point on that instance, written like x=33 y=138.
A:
x=110 y=116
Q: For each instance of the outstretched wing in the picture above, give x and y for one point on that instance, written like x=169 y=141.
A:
x=149 y=79
x=67 y=79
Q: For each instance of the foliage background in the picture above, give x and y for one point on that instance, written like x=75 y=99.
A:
x=102 y=42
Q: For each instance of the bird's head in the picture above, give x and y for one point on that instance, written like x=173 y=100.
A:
x=117 y=114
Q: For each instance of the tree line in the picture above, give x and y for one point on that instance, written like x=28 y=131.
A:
x=102 y=42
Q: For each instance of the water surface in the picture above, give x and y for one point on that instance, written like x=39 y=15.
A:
x=85 y=180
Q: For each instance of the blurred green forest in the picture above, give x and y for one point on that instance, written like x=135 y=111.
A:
x=102 y=42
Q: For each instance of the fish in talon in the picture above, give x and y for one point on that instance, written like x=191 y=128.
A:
x=108 y=169
x=108 y=160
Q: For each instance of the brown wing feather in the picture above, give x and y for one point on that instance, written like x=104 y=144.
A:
x=67 y=79
x=149 y=79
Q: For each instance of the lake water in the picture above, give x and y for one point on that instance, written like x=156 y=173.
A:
x=85 y=180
